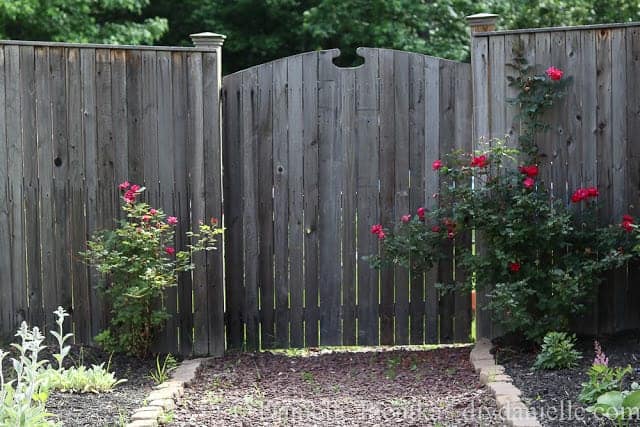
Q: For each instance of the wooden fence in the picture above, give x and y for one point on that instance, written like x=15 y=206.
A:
x=594 y=138
x=312 y=156
x=75 y=120
x=315 y=155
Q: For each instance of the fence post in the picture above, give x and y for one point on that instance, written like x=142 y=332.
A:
x=206 y=193
x=212 y=41
x=481 y=23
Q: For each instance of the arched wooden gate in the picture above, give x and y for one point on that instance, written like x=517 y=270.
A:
x=314 y=155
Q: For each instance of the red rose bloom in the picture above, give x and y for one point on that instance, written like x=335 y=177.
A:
x=592 y=192
x=169 y=250
x=479 y=162
x=579 y=195
x=435 y=229
x=514 y=267
x=531 y=171
x=554 y=73
x=376 y=229
x=436 y=165
x=421 y=212
x=627 y=223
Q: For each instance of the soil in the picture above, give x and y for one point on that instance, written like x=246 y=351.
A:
x=105 y=409
x=397 y=387
x=553 y=395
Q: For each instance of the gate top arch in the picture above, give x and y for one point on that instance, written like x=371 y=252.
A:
x=315 y=154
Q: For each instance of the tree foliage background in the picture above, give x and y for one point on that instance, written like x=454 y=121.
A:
x=262 y=30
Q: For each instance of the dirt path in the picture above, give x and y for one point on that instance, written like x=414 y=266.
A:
x=402 y=388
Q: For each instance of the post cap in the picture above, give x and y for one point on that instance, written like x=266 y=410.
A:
x=481 y=22
x=207 y=39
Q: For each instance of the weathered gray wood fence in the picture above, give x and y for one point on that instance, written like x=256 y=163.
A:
x=312 y=156
x=315 y=155
x=75 y=120
x=595 y=134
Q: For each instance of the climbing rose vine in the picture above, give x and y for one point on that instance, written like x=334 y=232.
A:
x=542 y=258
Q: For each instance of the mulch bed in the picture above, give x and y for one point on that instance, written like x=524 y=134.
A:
x=398 y=387
x=105 y=409
x=553 y=395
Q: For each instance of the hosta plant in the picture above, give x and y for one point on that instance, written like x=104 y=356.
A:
x=138 y=262
x=557 y=352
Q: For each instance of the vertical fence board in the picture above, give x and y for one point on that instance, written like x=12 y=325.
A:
x=388 y=212
x=62 y=253
x=30 y=183
x=196 y=165
x=367 y=150
x=418 y=169
x=44 y=128
x=400 y=116
x=347 y=127
x=330 y=170
x=168 y=340
x=105 y=209
x=618 y=142
x=281 y=201
x=181 y=193
x=311 y=196
x=89 y=134
x=295 y=198
x=6 y=298
x=233 y=210
x=265 y=205
x=463 y=142
x=81 y=313
x=604 y=160
x=447 y=140
x=432 y=186
x=249 y=206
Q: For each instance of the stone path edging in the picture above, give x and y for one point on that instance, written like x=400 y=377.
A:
x=163 y=397
x=511 y=407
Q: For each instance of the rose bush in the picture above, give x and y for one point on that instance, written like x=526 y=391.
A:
x=540 y=260
x=139 y=262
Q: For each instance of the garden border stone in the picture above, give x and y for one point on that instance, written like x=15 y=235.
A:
x=163 y=397
x=511 y=407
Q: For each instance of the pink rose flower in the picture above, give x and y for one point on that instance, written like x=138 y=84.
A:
x=172 y=220
x=169 y=250
x=406 y=218
x=123 y=186
x=436 y=165
x=528 y=183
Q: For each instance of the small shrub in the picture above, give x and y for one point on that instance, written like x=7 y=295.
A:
x=558 y=352
x=139 y=262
